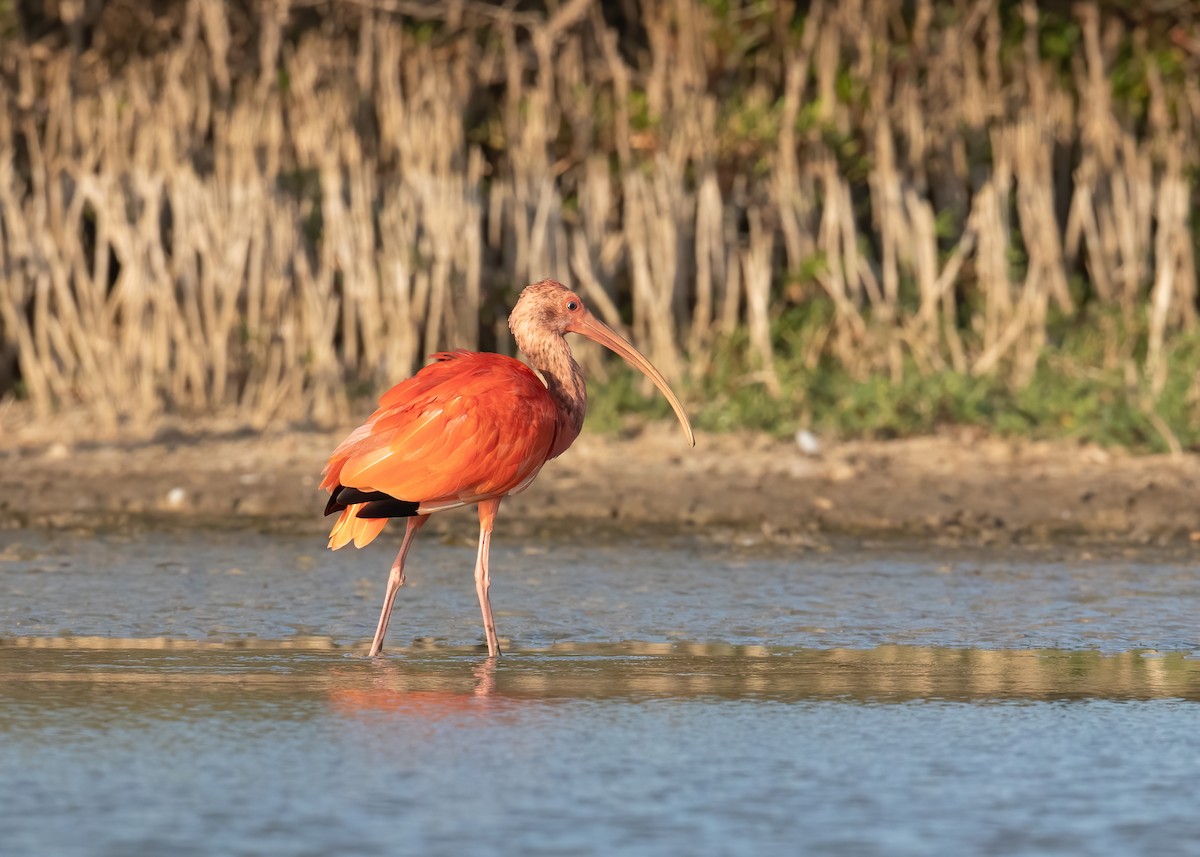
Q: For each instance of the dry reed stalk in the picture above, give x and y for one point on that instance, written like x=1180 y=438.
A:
x=711 y=282
x=989 y=212
x=199 y=231
x=596 y=247
x=650 y=238
x=756 y=267
x=794 y=204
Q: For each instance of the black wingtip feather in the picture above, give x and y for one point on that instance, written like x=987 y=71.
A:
x=376 y=504
x=389 y=508
x=348 y=496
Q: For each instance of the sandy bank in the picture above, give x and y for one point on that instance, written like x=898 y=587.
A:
x=742 y=486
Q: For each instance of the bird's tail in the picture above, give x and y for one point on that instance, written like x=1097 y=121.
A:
x=350 y=528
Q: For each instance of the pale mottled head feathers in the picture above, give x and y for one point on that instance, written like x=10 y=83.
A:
x=538 y=322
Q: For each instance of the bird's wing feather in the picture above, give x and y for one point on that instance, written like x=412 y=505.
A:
x=466 y=427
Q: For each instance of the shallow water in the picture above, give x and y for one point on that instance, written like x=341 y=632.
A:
x=202 y=693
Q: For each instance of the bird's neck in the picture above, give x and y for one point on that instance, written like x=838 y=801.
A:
x=564 y=382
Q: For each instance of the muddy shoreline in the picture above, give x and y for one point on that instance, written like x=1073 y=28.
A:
x=744 y=487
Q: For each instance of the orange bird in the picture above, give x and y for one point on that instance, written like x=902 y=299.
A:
x=471 y=428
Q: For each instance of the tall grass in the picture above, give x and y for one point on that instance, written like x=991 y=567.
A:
x=271 y=205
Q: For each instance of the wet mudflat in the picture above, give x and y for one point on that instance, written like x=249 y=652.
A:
x=196 y=693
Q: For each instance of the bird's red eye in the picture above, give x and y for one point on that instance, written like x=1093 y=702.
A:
x=572 y=305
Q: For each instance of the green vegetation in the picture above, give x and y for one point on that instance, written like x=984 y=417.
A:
x=1079 y=392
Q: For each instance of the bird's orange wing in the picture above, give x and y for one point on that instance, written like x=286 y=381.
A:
x=466 y=427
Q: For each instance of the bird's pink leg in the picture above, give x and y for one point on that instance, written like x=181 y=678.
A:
x=395 y=581
x=483 y=579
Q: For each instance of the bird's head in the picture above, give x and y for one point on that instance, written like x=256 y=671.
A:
x=550 y=308
x=546 y=307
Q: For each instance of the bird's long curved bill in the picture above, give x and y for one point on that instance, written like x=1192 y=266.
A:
x=598 y=331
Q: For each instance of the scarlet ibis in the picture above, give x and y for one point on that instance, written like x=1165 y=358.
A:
x=471 y=428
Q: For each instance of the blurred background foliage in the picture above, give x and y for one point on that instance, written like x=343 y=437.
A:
x=864 y=218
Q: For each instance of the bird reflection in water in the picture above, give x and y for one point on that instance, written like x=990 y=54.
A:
x=393 y=690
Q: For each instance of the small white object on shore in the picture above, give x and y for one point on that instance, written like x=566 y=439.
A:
x=808 y=442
